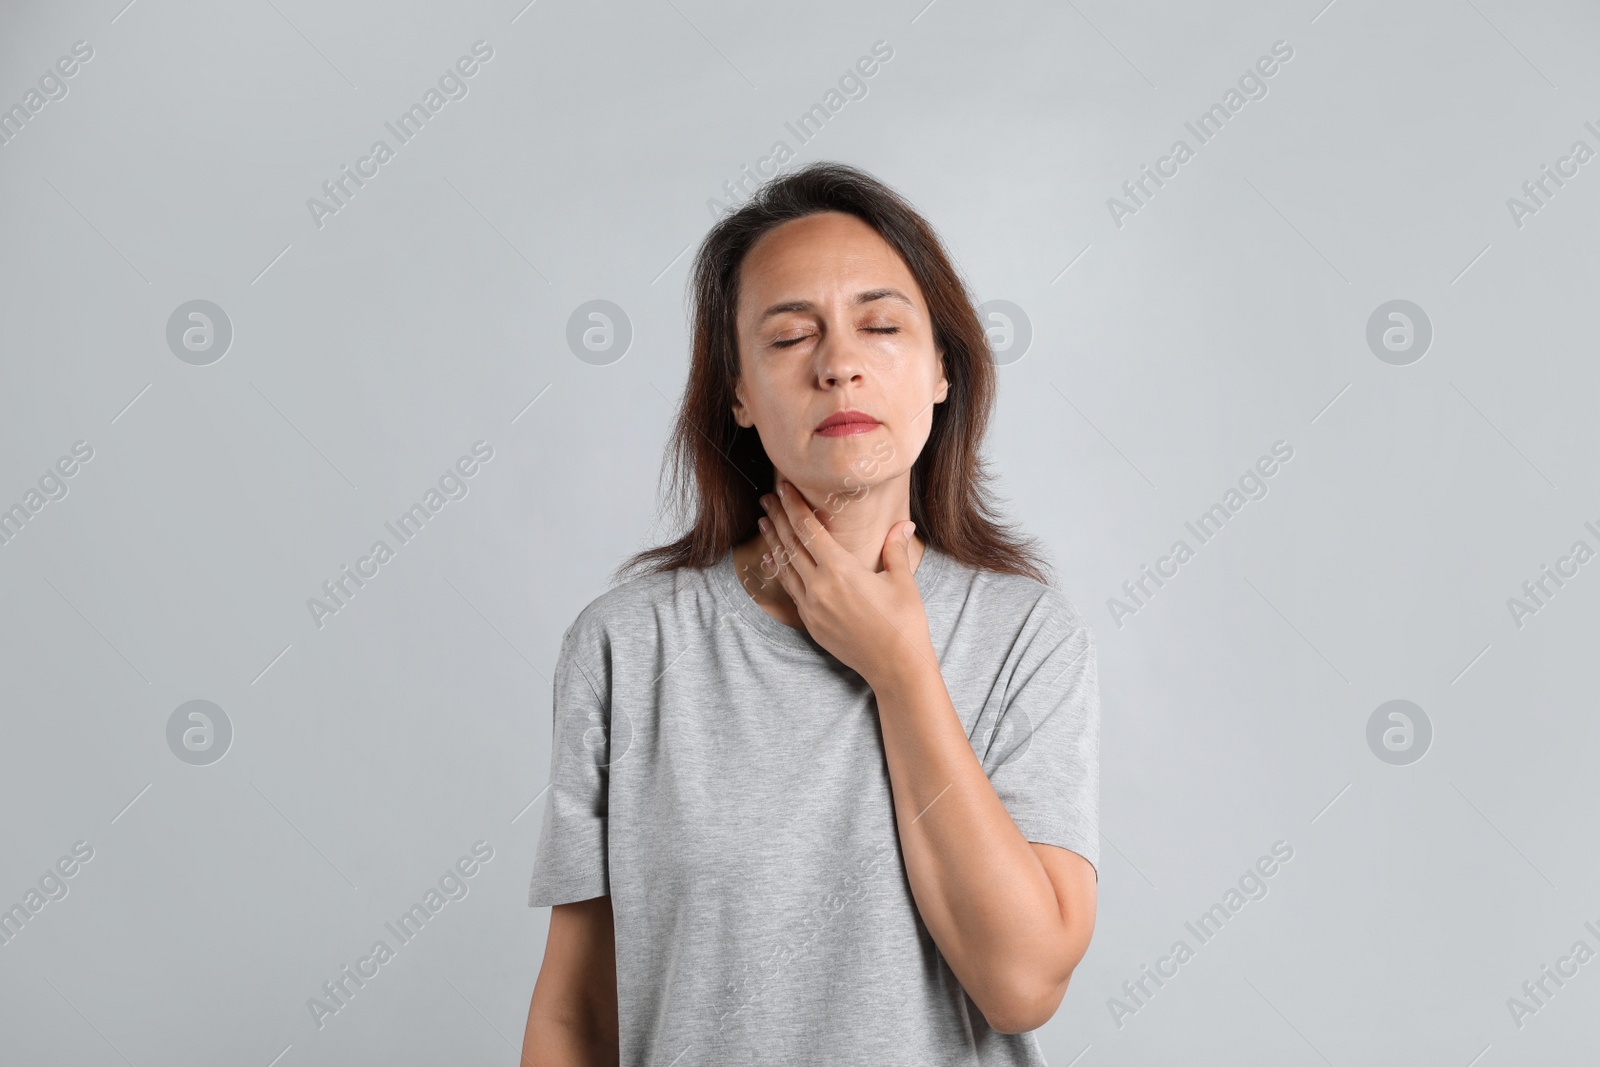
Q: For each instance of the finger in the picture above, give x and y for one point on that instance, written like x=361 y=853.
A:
x=795 y=552
x=779 y=559
x=787 y=552
x=808 y=529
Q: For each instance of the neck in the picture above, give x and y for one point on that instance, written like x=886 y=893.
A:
x=859 y=521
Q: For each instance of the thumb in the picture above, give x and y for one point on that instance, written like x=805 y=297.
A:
x=897 y=549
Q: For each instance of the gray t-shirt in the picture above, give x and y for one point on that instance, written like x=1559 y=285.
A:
x=722 y=777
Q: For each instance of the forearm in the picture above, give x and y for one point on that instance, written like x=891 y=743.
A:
x=979 y=887
x=555 y=1039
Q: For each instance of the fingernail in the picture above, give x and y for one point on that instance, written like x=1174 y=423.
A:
x=911 y=528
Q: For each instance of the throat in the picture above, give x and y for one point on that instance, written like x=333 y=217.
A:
x=768 y=593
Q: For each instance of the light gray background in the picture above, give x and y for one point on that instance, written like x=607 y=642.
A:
x=1167 y=355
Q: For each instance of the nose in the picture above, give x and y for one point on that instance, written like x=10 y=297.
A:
x=840 y=359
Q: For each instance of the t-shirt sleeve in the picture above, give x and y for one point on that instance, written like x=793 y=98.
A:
x=570 y=861
x=1044 y=756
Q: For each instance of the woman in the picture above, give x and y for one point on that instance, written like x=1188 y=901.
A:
x=824 y=786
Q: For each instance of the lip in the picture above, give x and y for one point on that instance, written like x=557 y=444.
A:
x=844 y=423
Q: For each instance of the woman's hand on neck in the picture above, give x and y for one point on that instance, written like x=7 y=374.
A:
x=859 y=520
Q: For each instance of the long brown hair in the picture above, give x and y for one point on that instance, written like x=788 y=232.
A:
x=950 y=495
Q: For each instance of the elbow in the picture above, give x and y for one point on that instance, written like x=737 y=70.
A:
x=1024 y=1008
x=1029 y=986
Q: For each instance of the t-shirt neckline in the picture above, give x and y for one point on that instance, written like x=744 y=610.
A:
x=930 y=568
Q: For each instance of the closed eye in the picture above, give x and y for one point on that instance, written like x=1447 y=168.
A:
x=870 y=329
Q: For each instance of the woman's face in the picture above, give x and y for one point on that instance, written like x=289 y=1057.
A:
x=829 y=320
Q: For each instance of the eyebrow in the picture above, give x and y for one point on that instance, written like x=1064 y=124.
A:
x=864 y=297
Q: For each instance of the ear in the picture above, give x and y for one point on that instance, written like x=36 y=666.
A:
x=741 y=414
x=942 y=390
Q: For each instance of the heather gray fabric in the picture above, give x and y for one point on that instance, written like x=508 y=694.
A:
x=722 y=777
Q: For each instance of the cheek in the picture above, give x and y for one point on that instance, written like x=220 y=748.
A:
x=780 y=399
x=904 y=444
x=918 y=390
x=775 y=423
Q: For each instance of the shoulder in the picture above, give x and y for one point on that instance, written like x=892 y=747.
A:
x=1046 y=610
x=641 y=607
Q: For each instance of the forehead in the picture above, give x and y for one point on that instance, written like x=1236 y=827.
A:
x=817 y=256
